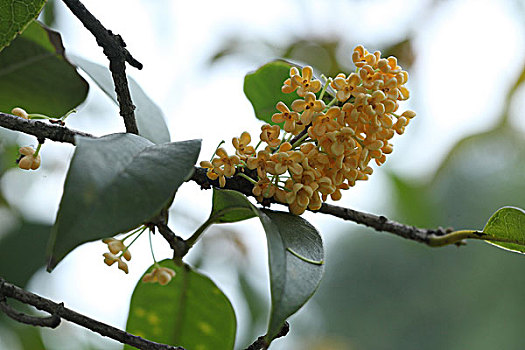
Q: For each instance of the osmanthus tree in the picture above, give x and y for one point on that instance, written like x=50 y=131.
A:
x=321 y=136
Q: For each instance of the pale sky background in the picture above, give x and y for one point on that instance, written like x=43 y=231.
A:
x=467 y=52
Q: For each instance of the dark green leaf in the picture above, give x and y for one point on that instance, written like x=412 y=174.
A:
x=190 y=311
x=114 y=184
x=295 y=253
x=263 y=89
x=150 y=119
x=16 y=16
x=231 y=206
x=296 y=256
x=35 y=75
x=508 y=223
x=23 y=251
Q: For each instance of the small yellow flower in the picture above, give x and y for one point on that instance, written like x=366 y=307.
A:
x=241 y=145
x=283 y=161
x=28 y=161
x=288 y=117
x=116 y=246
x=340 y=140
x=388 y=65
x=289 y=84
x=347 y=87
x=362 y=57
x=214 y=172
x=260 y=163
x=371 y=79
x=270 y=134
x=162 y=275
x=305 y=83
x=264 y=189
x=110 y=259
x=19 y=112
x=225 y=161
x=299 y=198
x=308 y=106
x=325 y=122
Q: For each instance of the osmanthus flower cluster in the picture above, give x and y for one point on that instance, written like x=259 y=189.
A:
x=323 y=148
x=118 y=252
x=29 y=157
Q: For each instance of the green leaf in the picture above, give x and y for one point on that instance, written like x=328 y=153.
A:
x=263 y=89
x=231 y=206
x=16 y=16
x=508 y=223
x=22 y=251
x=295 y=253
x=150 y=119
x=35 y=75
x=190 y=311
x=296 y=256
x=114 y=184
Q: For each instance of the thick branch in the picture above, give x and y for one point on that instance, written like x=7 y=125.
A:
x=379 y=223
x=58 y=310
x=40 y=129
x=117 y=54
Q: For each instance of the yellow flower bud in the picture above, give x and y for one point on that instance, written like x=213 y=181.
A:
x=19 y=112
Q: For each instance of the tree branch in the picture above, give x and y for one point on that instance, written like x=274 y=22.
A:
x=379 y=223
x=236 y=183
x=40 y=129
x=261 y=343
x=115 y=50
x=52 y=321
x=59 y=311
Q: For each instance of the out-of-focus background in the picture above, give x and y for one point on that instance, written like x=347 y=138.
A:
x=461 y=159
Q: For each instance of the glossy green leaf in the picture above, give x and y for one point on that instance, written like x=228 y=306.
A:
x=296 y=260
x=295 y=253
x=15 y=17
x=150 y=119
x=35 y=75
x=114 y=184
x=508 y=223
x=190 y=311
x=231 y=206
x=263 y=89
x=23 y=251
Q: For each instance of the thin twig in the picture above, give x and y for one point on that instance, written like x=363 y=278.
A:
x=261 y=342
x=51 y=321
x=379 y=223
x=40 y=129
x=117 y=54
x=58 y=310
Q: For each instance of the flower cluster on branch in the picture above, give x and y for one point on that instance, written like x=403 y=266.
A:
x=323 y=149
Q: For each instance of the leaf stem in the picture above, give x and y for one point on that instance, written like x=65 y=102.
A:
x=454 y=237
x=68 y=114
x=196 y=235
x=247 y=178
